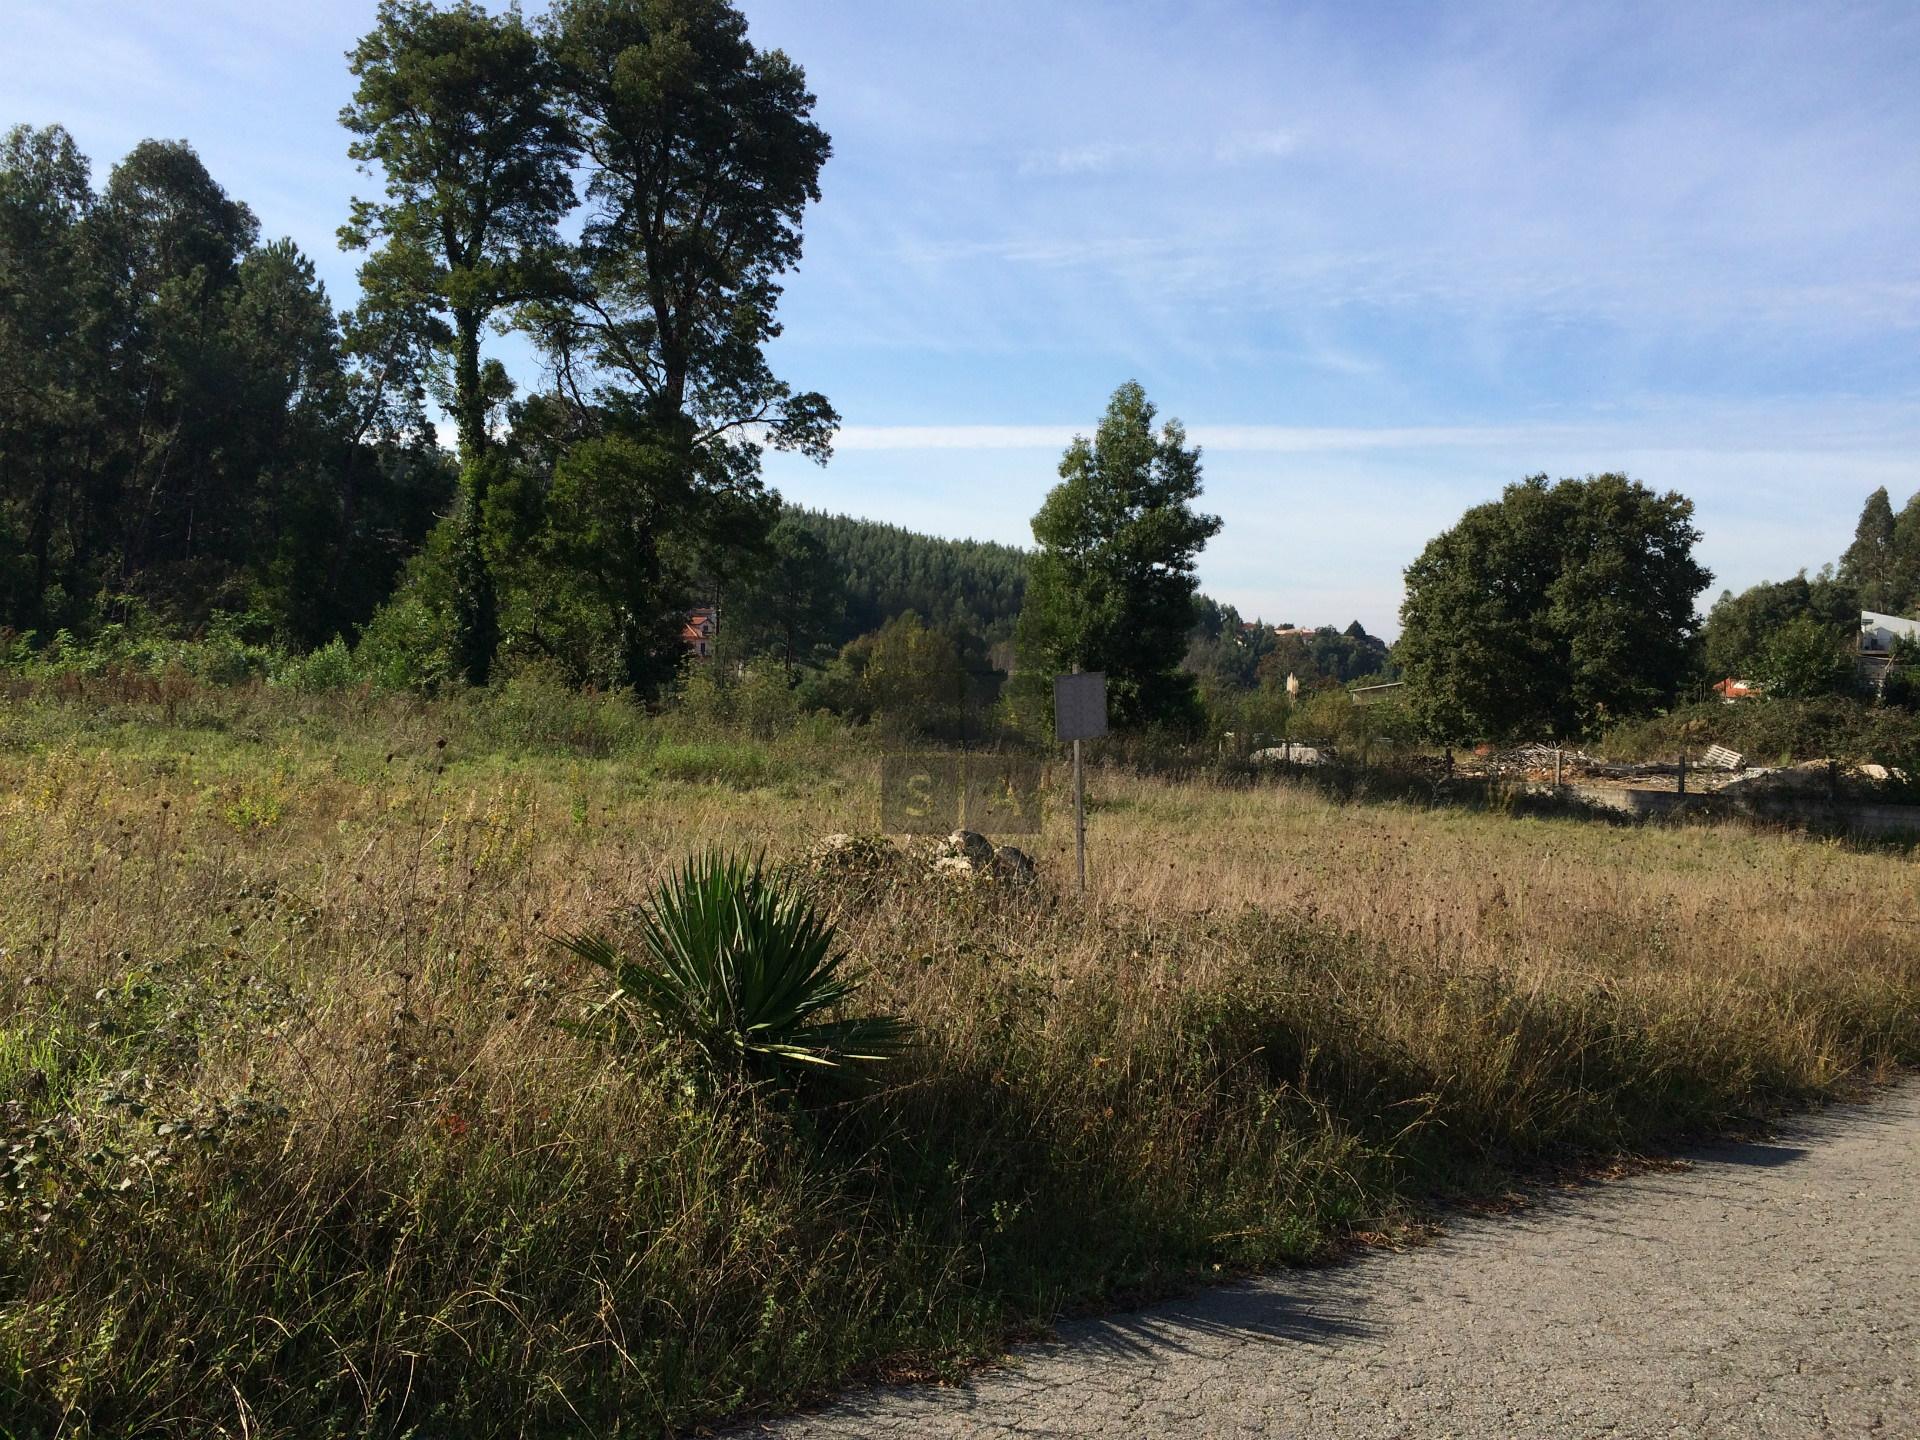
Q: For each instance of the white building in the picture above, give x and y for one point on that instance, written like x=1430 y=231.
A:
x=1878 y=632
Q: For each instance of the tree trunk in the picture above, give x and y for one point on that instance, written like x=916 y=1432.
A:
x=469 y=405
x=476 y=615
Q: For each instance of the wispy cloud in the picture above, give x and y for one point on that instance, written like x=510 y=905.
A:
x=1106 y=157
x=1255 y=439
x=1252 y=146
x=1671 y=439
x=1099 y=158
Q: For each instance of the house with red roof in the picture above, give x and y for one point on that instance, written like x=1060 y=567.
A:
x=697 y=634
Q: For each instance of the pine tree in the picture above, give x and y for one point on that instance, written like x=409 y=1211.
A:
x=1112 y=586
x=1869 y=564
x=456 y=108
x=1902 y=594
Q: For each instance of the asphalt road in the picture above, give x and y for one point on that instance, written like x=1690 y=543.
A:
x=1764 y=1290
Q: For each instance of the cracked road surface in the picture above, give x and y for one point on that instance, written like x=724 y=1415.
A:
x=1768 y=1289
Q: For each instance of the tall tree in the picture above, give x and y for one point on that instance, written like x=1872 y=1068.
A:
x=1112 y=586
x=1870 y=563
x=1902 y=592
x=171 y=243
x=48 y=378
x=455 y=107
x=177 y=413
x=1552 y=607
x=701 y=156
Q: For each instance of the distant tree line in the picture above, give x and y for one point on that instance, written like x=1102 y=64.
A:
x=885 y=570
x=1564 y=608
x=1227 y=652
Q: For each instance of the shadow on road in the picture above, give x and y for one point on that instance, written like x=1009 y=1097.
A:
x=1755 y=1155
x=1247 y=1311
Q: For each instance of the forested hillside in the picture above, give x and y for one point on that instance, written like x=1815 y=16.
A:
x=973 y=585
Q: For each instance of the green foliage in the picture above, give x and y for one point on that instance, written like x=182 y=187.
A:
x=320 y=671
x=219 y=652
x=643 y=488
x=1804 y=658
x=702 y=155
x=744 y=969
x=456 y=108
x=791 y=598
x=1223 y=651
x=1552 y=609
x=1242 y=669
x=724 y=762
x=532 y=708
x=1901 y=684
x=910 y=677
x=1327 y=657
x=969 y=585
x=1778 y=731
x=1883 y=562
x=1253 y=717
x=608 y=546
x=908 y=670
x=1741 y=628
x=1112 y=585
x=409 y=642
x=476 y=601
x=183 y=424
x=755 y=697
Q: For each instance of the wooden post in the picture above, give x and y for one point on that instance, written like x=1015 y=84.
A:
x=1683 y=769
x=1556 y=767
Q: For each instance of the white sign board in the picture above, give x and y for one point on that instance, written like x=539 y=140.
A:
x=1080 y=706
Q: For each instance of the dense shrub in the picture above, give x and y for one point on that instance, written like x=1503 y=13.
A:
x=328 y=668
x=1776 y=732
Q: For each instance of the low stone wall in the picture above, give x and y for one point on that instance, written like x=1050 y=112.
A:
x=1776 y=808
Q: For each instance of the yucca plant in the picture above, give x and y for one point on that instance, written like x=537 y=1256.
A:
x=744 y=968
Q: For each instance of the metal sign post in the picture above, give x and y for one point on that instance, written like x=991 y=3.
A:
x=1079 y=818
x=1080 y=713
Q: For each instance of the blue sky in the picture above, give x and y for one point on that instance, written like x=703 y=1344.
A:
x=1381 y=259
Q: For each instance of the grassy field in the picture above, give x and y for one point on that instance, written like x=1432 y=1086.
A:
x=296 y=1138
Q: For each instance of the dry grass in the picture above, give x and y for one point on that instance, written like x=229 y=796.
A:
x=299 y=1146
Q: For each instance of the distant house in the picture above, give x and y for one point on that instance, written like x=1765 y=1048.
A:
x=698 y=632
x=1878 y=636
x=1878 y=633
x=1731 y=689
